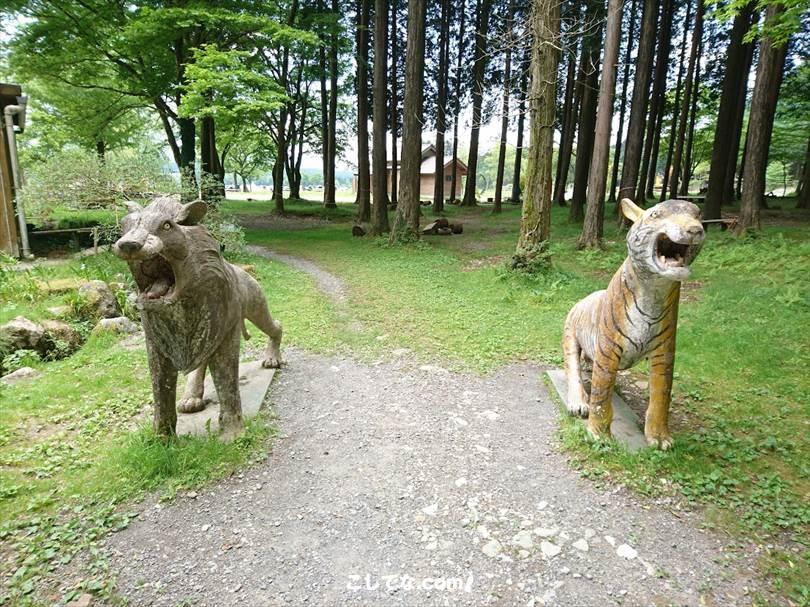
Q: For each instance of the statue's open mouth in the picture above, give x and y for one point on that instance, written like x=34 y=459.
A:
x=156 y=280
x=671 y=254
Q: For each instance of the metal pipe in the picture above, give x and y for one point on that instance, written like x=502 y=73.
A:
x=10 y=111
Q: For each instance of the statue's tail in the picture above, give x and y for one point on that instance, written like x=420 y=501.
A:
x=245 y=333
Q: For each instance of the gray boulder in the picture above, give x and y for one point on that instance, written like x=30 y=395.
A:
x=62 y=336
x=121 y=324
x=19 y=375
x=99 y=299
x=21 y=334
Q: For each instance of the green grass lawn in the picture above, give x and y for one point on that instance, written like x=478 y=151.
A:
x=741 y=410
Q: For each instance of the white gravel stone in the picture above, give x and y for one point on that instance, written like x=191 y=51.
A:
x=549 y=550
x=627 y=552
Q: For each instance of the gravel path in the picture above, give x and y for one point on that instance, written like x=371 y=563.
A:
x=395 y=484
x=330 y=284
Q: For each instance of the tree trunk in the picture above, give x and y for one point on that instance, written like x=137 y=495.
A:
x=363 y=170
x=614 y=178
x=737 y=128
x=329 y=191
x=735 y=58
x=188 y=155
x=406 y=220
x=507 y=77
x=457 y=84
x=687 y=161
x=676 y=106
x=441 y=109
x=324 y=104
x=479 y=67
x=524 y=83
x=597 y=175
x=649 y=160
x=760 y=123
x=587 y=113
x=394 y=105
x=640 y=103
x=535 y=224
x=574 y=87
x=803 y=189
x=379 y=110
x=101 y=149
x=690 y=89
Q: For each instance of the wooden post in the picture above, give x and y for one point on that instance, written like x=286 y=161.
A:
x=8 y=224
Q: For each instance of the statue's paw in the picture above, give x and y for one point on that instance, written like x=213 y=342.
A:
x=661 y=440
x=597 y=433
x=272 y=362
x=231 y=429
x=191 y=404
x=577 y=407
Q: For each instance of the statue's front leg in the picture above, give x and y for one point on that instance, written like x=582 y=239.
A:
x=164 y=391
x=224 y=365
x=656 y=424
x=600 y=404
x=193 y=399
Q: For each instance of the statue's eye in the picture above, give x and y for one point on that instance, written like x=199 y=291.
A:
x=167 y=225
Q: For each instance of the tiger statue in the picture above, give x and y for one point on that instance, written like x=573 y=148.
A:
x=634 y=318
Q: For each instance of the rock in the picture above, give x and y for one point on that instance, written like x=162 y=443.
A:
x=59 y=311
x=63 y=335
x=627 y=552
x=84 y=600
x=431 y=510
x=98 y=298
x=22 y=374
x=121 y=324
x=59 y=285
x=21 y=334
x=581 y=545
x=457 y=228
x=492 y=548
x=358 y=231
x=549 y=550
x=523 y=539
x=544 y=532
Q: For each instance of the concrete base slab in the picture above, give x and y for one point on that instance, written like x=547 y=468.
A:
x=625 y=427
x=254 y=382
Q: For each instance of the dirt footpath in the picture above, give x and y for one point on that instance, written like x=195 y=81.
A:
x=400 y=484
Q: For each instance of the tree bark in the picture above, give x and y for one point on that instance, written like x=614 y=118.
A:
x=441 y=110
x=803 y=189
x=640 y=103
x=597 y=175
x=363 y=169
x=614 y=178
x=329 y=191
x=649 y=158
x=394 y=104
x=507 y=78
x=737 y=128
x=457 y=83
x=380 y=109
x=587 y=113
x=690 y=89
x=524 y=83
x=687 y=161
x=406 y=220
x=760 y=124
x=676 y=106
x=535 y=223
x=574 y=87
x=479 y=67
x=735 y=57
x=324 y=103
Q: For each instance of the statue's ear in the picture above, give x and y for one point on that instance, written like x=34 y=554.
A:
x=133 y=207
x=630 y=210
x=191 y=213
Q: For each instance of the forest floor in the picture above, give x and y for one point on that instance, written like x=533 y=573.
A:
x=425 y=324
